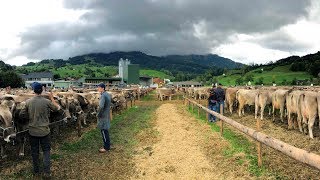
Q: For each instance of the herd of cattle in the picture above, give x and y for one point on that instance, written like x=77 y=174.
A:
x=76 y=105
x=301 y=105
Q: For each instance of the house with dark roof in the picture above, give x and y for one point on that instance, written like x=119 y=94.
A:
x=45 y=78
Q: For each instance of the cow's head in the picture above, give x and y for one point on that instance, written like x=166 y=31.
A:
x=7 y=131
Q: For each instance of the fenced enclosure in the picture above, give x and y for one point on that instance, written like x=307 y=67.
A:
x=287 y=149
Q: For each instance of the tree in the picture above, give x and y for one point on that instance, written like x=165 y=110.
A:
x=249 y=77
x=239 y=81
x=56 y=76
x=284 y=82
x=294 y=81
x=259 y=81
x=10 y=78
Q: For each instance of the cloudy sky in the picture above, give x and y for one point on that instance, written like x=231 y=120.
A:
x=245 y=31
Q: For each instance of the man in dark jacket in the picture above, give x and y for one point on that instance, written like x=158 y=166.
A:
x=38 y=110
x=220 y=95
x=212 y=103
x=103 y=116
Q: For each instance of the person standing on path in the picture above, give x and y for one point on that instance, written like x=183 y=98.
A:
x=38 y=111
x=212 y=103
x=220 y=97
x=103 y=116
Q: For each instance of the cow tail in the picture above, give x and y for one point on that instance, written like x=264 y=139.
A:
x=237 y=95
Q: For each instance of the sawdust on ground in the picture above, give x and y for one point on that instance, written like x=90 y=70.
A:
x=186 y=149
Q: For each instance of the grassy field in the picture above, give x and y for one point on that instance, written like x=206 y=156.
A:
x=154 y=73
x=86 y=70
x=281 y=75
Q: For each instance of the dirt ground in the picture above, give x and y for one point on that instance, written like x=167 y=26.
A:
x=276 y=161
x=186 y=149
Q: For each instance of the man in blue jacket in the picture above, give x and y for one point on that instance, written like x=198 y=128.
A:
x=103 y=116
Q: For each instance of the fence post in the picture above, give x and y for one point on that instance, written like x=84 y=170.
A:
x=259 y=144
x=126 y=104
x=192 y=106
x=221 y=121
x=79 y=127
x=130 y=102
x=207 y=114
x=111 y=115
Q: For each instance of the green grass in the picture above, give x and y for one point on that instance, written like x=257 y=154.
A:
x=278 y=74
x=239 y=144
x=75 y=71
x=124 y=128
x=154 y=73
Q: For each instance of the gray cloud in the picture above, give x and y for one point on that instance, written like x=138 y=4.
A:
x=157 y=27
x=279 y=40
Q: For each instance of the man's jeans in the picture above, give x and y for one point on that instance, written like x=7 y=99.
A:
x=215 y=108
x=106 y=139
x=35 y=143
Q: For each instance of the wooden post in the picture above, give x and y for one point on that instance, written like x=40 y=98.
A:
x=221 y=121
x=126 y=104
x=130 y=102
x=111 y=116
x=192 y=107
x=259 y=144
x=207 y=112
x=198 y=111
x=79 y=127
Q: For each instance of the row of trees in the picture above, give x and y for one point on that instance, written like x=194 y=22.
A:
x=8 y=77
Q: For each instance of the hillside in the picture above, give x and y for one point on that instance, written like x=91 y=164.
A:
x=280 y=75
x=173 y=66
x=194 y=64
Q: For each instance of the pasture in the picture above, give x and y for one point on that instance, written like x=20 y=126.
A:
x=281 y=75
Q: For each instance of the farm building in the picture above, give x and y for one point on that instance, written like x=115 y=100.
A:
x=129 y=73
x=187 y=84
x=92 y=81
x=145 y=81
x=45 y=78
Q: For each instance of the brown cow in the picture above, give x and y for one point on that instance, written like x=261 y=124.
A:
x=230 y=98
x=279 y=102
x=292 y=104
x=263 y=98
x=164 y=92
x=6 y=127
x=245 y=97
x=309 y=103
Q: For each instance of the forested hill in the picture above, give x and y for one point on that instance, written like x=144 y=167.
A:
x=194 y=64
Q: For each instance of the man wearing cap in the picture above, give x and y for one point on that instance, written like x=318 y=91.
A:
x=38 y=110
x=103 y=115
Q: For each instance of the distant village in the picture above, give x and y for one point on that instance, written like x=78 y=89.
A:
x=128 y=75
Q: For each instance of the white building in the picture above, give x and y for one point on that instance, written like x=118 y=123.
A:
x=45 y=78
